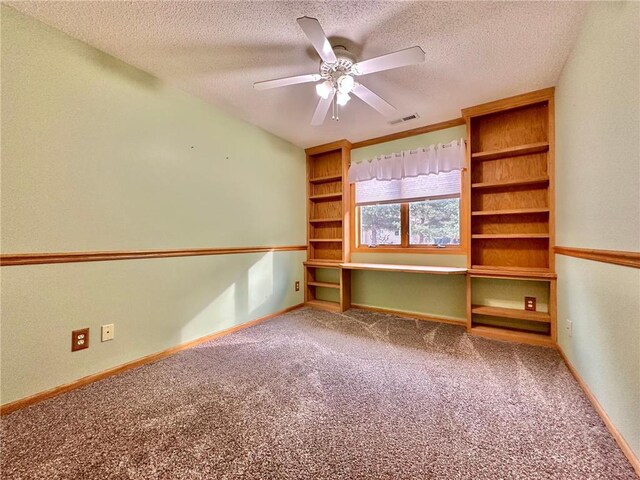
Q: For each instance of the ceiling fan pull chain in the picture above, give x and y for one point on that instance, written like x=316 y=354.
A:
x=333 y=108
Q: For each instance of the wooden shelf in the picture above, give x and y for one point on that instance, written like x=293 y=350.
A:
x=404 y=268
x=324 y=284
x=325 y=220
x=325 y=240
x=323 y=305
x=326 y=196
x=502 y=312
x=485 y=236
x=515 y=211
x=512 y=207
x=528 y=149
x=512 y=335
x=512 y=183
x=322 y=264
x=326 y=179
x=511 y=272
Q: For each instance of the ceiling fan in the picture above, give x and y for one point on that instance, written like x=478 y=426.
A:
x=337 y=71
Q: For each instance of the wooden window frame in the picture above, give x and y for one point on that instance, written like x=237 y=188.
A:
x=404 y=246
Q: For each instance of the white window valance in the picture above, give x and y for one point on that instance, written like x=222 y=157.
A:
x=429 y=160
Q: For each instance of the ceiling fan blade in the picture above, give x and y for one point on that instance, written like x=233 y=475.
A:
x=312 y=29
x=367 y=96
x=321 y=110
x=401 y=58
x=283 y=82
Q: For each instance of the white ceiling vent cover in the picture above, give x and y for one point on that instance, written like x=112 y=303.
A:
x=413 y=116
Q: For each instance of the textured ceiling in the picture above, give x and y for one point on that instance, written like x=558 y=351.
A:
x=476 y=52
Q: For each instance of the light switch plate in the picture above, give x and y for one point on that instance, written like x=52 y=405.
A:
x=107 y=332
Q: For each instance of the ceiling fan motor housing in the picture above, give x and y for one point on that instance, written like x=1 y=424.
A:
x=333 y=71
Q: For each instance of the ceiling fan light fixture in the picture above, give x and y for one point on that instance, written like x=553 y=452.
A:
x=343 y=98
x=324 y=89
x=345 y=84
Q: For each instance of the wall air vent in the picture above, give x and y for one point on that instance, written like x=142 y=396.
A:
x=413 y=116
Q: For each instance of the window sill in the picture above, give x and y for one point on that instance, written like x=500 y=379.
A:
x=453 y=250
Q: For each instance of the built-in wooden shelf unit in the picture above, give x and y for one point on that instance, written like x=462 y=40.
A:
x=328 y=191
x=510 y=147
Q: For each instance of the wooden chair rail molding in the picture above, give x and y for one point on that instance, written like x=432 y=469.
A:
x=73 y=257
x=617 y=257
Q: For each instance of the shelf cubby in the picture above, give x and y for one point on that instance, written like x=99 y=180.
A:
x=326 y=179
x=326 y=196
x=486 y=236
x=514 y=313
x=324 y=284
x=508 y=152
x=513 y=211
x=326 y=220
x=517 y=182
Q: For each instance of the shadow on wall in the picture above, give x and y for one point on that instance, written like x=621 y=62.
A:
x=119 y=68
x=253 y=293
x=155 y=304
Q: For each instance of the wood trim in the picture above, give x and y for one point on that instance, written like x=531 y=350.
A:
x=617 y=436
x=328 y=147
x=447 y=250
x=323 y=305
x=551 y=172
x=414 y=316
x=511 y=102
x=508 y=335
x=346 y=202
x=537 y=274
x=10 y=259
x=154 y=357
x=616 y=257
x=404 y=226
x=387 y=267
x=409 y=133
x=465 y=234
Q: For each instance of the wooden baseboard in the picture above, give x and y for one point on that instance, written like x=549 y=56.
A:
x=419 y=316
x=81 y=382
x=622 y=443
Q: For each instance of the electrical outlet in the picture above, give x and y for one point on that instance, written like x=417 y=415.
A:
x=79 y=339
x=530 y=303
x=297 y=286
x=107 y=332
x=569 y=327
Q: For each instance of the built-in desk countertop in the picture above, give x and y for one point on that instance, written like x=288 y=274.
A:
x=404 y=268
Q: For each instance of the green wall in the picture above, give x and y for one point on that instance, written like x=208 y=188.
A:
x=97 y=155
x=437 y=295
x=598 y=206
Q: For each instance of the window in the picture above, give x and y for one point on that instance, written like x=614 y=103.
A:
x=418 y=212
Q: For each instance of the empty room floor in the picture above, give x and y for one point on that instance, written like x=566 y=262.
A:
x=313 y=394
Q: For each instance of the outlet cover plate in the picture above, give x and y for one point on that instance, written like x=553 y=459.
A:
x=530 y=304
x=79 y=339
x=107 y=332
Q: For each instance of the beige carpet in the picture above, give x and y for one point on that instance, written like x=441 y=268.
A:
x=317 y=395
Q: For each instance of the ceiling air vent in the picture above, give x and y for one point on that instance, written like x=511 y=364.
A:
x=413 y=116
